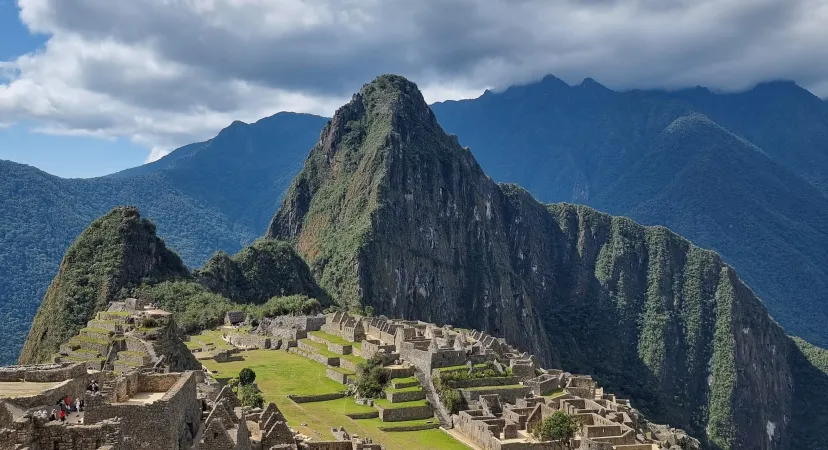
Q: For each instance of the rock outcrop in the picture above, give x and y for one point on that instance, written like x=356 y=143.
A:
x=393 y=213
x=117 y=251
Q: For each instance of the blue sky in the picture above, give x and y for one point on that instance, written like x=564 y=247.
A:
x=65 y=156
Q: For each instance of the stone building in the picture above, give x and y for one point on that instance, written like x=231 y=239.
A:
x=235 y=318
x=138 y=410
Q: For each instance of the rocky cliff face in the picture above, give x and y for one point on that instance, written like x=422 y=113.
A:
x=391 y=212
x=116 y=251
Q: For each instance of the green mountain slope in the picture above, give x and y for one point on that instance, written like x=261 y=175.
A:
x=261 y=271
x=117 y=251
x=392 y=212
x=764 y=210
x=215 y=195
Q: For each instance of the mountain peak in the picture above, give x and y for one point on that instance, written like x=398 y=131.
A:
x=390 y=94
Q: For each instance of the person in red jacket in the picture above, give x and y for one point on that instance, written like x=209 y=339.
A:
x=62 y=416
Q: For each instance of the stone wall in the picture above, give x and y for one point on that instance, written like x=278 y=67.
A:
x=172 y=420
x=37 y=435
x=405 y=414
x=337 y=376
x=405 y=396
x=316 y=398
x=544 y=385
x=342 y=349
x=506 y=395
x=43 y=373
x=328 y=445
x=371 y=348
x=427 y=360
x=249 y=341
x=480 y=382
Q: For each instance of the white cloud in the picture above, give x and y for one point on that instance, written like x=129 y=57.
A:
x=168 y=72
x=156 y=154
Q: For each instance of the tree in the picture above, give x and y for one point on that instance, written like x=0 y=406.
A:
x=371 y=378
x=560 y=427
x=250 y=396
x=247 y=376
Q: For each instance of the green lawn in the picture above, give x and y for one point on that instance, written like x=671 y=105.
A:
x=332 y=338
x=399 y=381
x=279 y=373
x=210 y=338
x=322 y=349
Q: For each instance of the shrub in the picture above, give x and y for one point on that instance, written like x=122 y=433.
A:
x=452 y=400
x=560 y=427
x=247 y=376
x=371 y=378
x=250 y=396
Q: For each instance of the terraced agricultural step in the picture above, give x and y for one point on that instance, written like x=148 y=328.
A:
x=405 y=395
x=90 y=343
x=133 y=357
x=98 y=333
x=402 y=383
x=117 y=316
x=109 y=325
x=401 y=412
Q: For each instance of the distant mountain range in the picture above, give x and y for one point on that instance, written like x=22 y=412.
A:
x=744 y=174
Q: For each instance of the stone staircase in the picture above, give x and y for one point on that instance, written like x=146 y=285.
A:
x=440 y=410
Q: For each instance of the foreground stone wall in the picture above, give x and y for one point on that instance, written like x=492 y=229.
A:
x=169 y=422
x=35 y=434
x=47 y=399
x=43 y=373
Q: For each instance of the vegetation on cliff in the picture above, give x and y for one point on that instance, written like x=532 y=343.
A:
x=119 y=255
x=266 y=269
x=117 y=251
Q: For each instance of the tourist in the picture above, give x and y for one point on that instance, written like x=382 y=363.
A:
x=77 y=405
x=53 y=416
x=81 y=405
x=62 y=416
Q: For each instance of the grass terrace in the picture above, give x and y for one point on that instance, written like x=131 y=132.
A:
x=280 y=373
x=322 y=349
x=401 y=383
x=208 y=338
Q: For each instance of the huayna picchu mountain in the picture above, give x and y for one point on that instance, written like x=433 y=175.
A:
x=392 y=212
x=120 y=256
x=115 y=252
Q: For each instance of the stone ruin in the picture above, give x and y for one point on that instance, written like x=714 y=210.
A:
x=502 y=410
x=175 y=411
x=120 y=339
